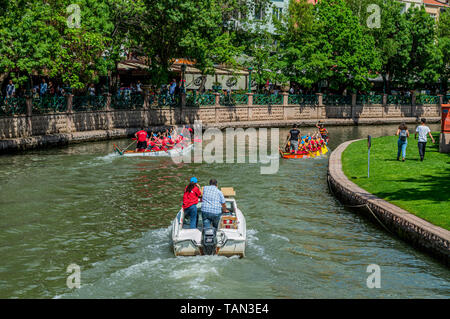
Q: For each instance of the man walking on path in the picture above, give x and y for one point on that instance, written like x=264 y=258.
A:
x=423 y=130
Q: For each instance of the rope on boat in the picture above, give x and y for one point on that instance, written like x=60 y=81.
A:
x=358 y=206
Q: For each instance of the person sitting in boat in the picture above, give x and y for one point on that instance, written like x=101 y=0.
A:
x=294 y=133
x=190 y=200
x=302 y=150
x=213 y=205
x=141 y=141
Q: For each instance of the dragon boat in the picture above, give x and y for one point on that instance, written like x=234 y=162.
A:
x=177 y=150
x=311 y=154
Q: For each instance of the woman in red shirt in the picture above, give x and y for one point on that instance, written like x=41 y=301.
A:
x=190 y=200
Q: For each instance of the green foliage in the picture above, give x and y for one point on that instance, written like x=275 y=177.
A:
x=443 y=33
x=35 y=38
x=327 y=42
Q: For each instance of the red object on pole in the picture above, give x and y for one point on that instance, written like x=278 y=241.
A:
x=445 y=118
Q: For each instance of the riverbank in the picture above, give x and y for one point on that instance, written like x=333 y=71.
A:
x=20 y=133
x=347 y=174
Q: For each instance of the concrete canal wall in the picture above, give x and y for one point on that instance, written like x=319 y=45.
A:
x=19 y=132
x=418 y=232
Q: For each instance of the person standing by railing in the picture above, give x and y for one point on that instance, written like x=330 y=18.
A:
x=10 y=89
x=91 y=90
x=43 y=88
x=51 y=88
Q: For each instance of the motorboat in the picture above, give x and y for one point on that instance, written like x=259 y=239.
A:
x=229 y=239
x=177 y=150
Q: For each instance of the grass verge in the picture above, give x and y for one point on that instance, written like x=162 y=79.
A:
x=421 y=188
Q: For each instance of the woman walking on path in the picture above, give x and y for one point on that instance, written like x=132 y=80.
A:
x=403 y=134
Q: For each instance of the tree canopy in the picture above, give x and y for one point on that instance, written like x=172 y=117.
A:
x=79 y=41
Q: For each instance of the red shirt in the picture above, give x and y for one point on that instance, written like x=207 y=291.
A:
x=142 y=136
x=191 y=198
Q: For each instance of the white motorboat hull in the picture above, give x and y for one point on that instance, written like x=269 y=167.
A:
x=188 y=242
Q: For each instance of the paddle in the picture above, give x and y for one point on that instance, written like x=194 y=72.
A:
x=121 y=152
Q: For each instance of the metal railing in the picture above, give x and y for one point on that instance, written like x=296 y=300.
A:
x=49 y=104
x=88 y=103
x=398 y=100
x=234 y=99
x=197 y=100
x=427 y=99
x=13 y=106
x=446 y=99
x=131 y=101
x=369 y=99
x=265 y=99
x=337 y=99
x=303 y=99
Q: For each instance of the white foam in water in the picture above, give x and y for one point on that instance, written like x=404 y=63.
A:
x=280 y=237
x=251 y=243
x=100 y=160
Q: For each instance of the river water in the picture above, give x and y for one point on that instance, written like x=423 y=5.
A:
x=111 y=216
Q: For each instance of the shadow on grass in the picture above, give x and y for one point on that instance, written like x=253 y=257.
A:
x=434 y=188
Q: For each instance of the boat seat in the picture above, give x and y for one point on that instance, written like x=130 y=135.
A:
x=228 y=222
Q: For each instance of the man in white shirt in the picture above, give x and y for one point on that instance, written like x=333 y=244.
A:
x=423 y=130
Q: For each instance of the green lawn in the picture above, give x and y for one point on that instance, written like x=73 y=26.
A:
x=422 y=188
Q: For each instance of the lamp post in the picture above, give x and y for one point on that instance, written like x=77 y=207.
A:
x=250 y=69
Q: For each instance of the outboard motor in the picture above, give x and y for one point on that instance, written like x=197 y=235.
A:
x=209 y=241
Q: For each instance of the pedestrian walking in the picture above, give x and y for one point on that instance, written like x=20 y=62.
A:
x=402 y=143
x=423 y=130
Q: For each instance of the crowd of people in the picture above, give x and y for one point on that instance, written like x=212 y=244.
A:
x=422 y=130
x=309 y=143
x=163 y=141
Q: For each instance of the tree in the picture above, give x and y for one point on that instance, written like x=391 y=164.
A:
x=392 y=39
x=425 y=57
x=443 y=33
x=37 y=38
x=326 y=42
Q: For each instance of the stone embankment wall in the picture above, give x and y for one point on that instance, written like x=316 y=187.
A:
x=23 y=131
x=420 y=233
